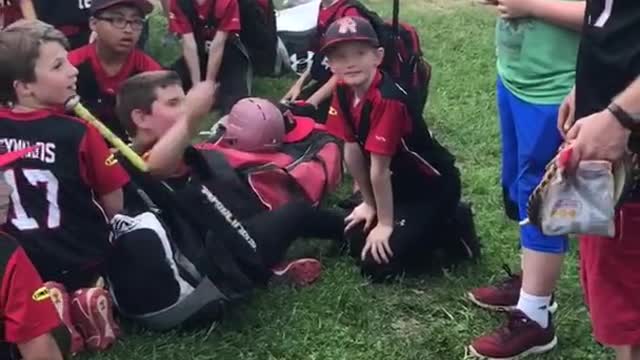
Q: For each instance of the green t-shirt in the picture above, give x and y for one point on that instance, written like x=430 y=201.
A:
x=536 y=60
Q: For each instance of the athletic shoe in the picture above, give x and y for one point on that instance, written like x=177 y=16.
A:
x=92 y=313
x=504 y=295
x=60 y=299
x=517 y=338
x=300 y=272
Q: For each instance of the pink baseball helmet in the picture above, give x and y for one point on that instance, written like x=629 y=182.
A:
x=253 y=125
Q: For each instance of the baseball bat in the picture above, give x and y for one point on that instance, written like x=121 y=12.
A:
x=74 y=104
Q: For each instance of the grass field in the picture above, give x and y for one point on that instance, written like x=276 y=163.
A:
x=342 y=317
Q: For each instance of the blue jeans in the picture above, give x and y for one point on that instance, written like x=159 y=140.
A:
x=530 y=140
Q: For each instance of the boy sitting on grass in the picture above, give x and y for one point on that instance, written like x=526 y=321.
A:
x=211 y=47
x=161 y=120
x=114 y=57
x=66 y=189
x=409 y=182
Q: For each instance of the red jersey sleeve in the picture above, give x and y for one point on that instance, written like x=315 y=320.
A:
x=147 y=63
x=178 y=21
x=99 y=168
x=336 y=123
x=229 y=16
x=77 y=56
x=390 y=121
x=26 y=305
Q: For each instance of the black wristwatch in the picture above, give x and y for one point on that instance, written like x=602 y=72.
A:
x=626 y=120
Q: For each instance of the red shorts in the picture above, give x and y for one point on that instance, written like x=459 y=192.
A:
x=610 y=274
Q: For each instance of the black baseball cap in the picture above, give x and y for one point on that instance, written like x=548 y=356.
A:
x=349 y=28
x=98 y=5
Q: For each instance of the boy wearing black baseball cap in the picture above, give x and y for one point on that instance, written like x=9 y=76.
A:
x=409 y=182
x=113 y=58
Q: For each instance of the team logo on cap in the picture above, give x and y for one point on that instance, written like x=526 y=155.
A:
x=347 y=25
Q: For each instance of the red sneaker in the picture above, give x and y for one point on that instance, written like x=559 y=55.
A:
x=60 y=299
x=503 y=295
x=300 y=272
x=92 y=313
x=519 y=337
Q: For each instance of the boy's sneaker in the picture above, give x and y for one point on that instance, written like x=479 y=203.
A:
x=517 y=338
x=503 y=295
x=300 y=272
x=60 y=299
x=92 y=313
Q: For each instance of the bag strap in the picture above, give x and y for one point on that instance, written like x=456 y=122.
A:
x=362 y=131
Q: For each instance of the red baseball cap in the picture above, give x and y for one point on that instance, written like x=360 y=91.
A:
x=349 y=28
x=98 y=5
x=302 y=127
x=9 y=157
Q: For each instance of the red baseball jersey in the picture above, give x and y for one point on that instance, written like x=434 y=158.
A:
x=26 y=310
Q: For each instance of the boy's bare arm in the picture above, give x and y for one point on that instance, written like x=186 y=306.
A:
x=43 y=347
x=357 y=167
x=28 y=11
x=381 y=185
x=166 y=155
x=190 y=54
x=296 y=88
x=564 y=13
x=112 y=203
x=216 y=52
x=324 y=92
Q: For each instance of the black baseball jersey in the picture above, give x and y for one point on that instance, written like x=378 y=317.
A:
x=609 y=56
x=53 y=209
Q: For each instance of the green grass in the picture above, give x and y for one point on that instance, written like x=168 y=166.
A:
x=342 y=317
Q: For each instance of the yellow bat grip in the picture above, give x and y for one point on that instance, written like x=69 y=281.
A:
x=126 y=151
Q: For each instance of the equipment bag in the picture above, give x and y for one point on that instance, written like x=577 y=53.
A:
x=307 y=169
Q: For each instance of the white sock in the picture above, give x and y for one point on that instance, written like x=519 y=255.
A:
x=535 y=307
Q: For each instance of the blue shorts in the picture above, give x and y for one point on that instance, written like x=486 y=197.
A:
x=530 y=139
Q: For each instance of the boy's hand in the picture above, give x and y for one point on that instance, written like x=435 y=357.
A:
x=292 y=94
x=200 y=99
x=566 y=113
x=512 y=9
x=362 y=212
x=378 y=244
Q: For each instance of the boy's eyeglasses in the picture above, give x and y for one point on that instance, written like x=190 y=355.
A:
x=121 y=23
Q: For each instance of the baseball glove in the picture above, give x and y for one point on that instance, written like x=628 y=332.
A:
x=584 y=202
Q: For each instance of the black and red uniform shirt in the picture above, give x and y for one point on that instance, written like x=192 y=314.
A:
x=26 y=310
x=320 y=70
x=384 y=125
x=609 y=55
x=9 y=12
x=53 y=211
x=98 y=90
x=70 y=17
x=204 y=20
